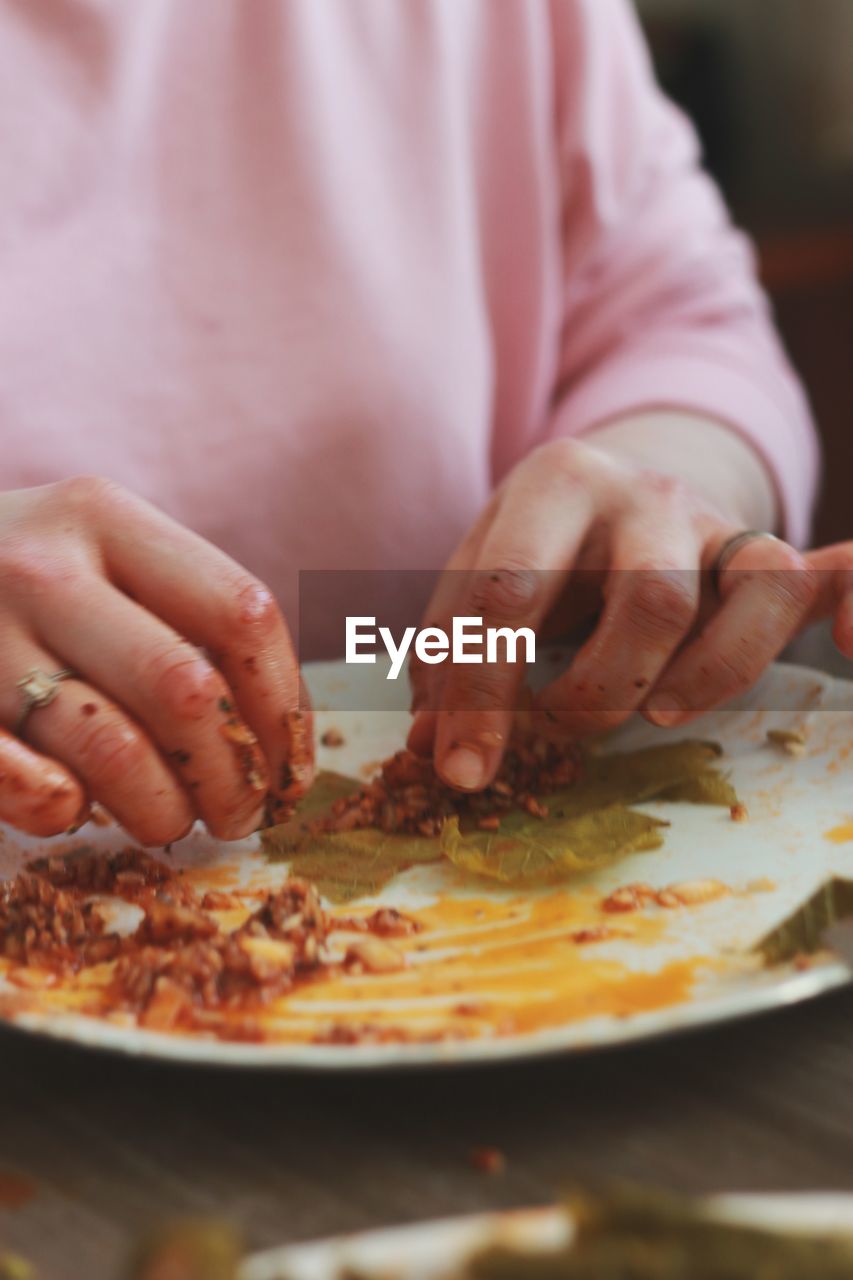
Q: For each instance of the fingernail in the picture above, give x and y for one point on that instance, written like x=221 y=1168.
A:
x=465 y=768
x=665 y=709
x=82 y=817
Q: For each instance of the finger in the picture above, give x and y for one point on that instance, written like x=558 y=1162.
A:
x=212 y=601
x=842 y=631
x=172 y=689
x=651 y=601
x=534 y=538
x=425 y=678
x=114 y=759
x=37 y=795
x=833 y=567
x=421 y=736
x=834 y=559
x=767 y=591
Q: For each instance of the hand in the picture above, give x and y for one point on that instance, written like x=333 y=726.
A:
x=185 y=698
x=645 y=537
x=833 y=567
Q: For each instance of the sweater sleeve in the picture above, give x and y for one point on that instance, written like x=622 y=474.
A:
x=662 y=308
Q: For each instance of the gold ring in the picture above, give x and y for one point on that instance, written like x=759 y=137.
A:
x=731 y=547
x=38 y=689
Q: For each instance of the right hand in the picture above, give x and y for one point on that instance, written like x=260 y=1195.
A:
x=833 y=568
x=186 y=695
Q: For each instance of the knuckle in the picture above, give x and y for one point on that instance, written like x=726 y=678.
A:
x=251 y=608
x=763 y=558
x=34 y=567
x=733 y=672
x=558 y=455
x=23 y=572
x=661 y=488
x=594 y=718
x=571 y=465
x=114 y=751
x=797 y=589
x=584 y=703
x=42 y=574
x=86 y=491
x=509 y=594
x=790 y=586
x=660 y=603
x=559 y=468
x=561 y=457
x=479 y=689
x=184 y=682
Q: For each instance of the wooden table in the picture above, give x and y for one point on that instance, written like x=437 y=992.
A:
x=115 y=1146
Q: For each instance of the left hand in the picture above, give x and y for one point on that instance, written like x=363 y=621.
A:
x=646 y=537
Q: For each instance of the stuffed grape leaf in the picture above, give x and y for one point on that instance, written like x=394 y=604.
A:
x=590 y=824
x=531 y=851
x=343 y=865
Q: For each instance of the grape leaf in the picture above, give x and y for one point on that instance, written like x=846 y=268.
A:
x=589 y=824
x=654 y=1235
x=632 y=777
x=530 y=851
x=805 y=930
x=706 y=788
x=343 y=865
x=284 y=839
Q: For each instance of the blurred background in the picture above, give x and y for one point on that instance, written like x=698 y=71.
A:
x=769 y=84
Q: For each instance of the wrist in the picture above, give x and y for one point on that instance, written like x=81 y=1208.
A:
x=712 y=459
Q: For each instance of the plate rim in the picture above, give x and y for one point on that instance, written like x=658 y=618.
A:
x=637 y=1029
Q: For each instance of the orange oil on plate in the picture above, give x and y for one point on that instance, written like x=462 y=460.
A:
x=841 y=835
x=479 y=966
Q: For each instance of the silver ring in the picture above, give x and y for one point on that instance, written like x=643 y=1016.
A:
x=732 y=546
x=38 y=689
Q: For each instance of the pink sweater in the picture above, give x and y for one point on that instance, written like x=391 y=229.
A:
x=312 y=275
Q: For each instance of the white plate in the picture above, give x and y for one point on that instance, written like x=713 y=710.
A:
x=793 y=804
x=435 y=1250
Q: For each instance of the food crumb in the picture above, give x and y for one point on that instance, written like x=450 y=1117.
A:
x=597 y=933
x=333 y=738
x=488 y=1160
x=471 y=1009
x=791 y=741
x=685 y=893
x=629 y=898
x=692 y=893
x=762 y=885
x=739 y=812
